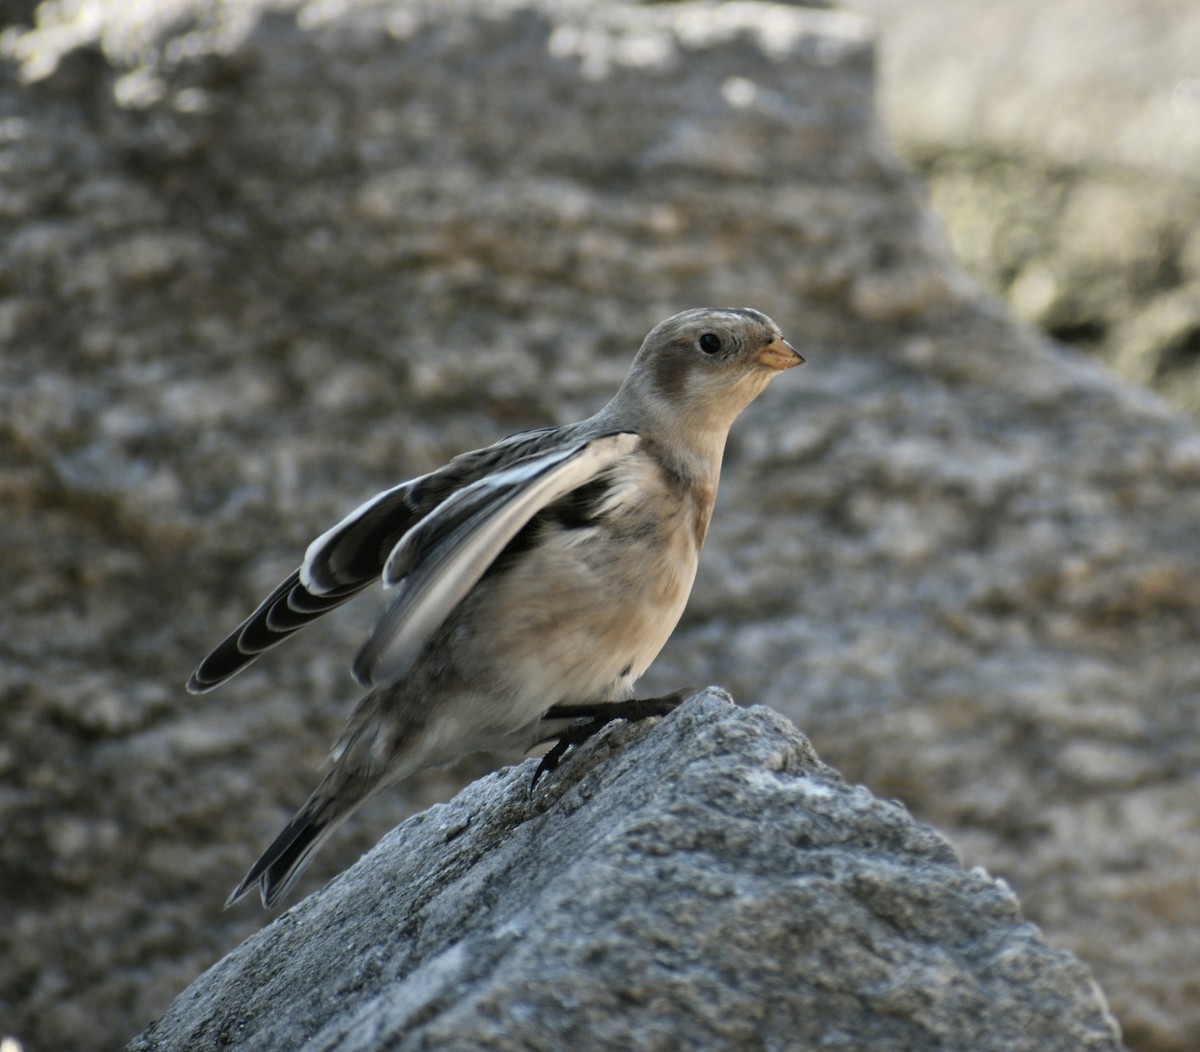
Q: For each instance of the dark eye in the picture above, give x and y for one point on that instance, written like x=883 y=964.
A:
x=709 y=343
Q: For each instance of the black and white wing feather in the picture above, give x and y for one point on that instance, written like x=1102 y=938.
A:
x=438 y=561
x=337 y=566
x=440 y=523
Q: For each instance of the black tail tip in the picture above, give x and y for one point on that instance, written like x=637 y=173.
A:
x=283 y=863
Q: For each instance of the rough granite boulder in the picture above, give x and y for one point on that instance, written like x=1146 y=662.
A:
x=703 y=883
x=259 y=259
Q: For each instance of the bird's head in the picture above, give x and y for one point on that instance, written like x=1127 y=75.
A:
x=698 y=370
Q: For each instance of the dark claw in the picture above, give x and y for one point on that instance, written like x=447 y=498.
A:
x=591 y=718
x=579 y=732
x=549 y=763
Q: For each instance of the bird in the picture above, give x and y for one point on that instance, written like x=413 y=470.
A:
x=529 y=584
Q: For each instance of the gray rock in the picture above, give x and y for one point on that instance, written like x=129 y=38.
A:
x=253 y=268
x=702 y=883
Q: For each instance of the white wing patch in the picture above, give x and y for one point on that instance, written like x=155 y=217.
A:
x=323 y=560
x=443 y=556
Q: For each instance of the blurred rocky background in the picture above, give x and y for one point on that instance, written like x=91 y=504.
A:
x=260 y=258
x=1061 y=146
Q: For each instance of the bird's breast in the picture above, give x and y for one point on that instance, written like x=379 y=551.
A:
x=587 y=608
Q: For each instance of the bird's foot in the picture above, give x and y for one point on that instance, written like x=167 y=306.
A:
x=591 y=718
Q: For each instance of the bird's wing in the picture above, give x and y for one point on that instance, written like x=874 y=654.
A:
x=346 y=559
x=437 y=562
x=349 y=557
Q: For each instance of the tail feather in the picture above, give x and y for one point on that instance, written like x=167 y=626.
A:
x=282 y=864
x=356 y=776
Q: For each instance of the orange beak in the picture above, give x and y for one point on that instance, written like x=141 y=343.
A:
x=779 y=355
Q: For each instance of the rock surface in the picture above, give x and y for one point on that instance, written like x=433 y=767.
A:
x=258 y=260
x=1061 y=143
x=703 y=883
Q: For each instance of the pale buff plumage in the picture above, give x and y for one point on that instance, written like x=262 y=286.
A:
x=532 y=580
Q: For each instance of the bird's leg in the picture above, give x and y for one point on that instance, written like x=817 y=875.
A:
x=591 y=718
x=633 y=709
